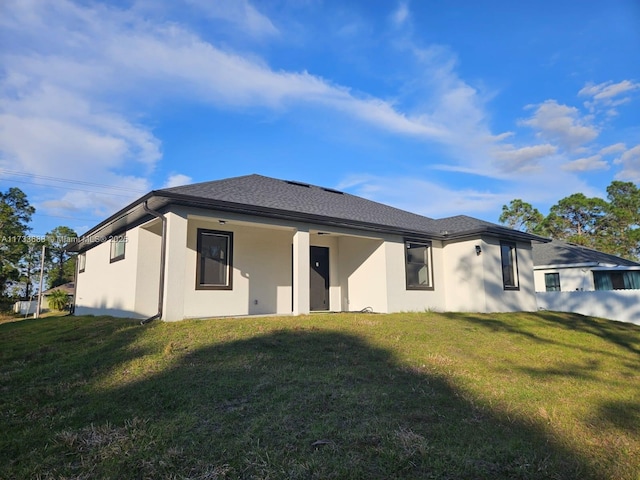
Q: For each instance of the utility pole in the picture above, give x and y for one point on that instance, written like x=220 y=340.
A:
x=41 y=280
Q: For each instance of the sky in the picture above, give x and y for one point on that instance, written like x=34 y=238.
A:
x=438 y=107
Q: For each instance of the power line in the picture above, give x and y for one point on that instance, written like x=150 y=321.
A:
x=70 y=188
x=68 y=180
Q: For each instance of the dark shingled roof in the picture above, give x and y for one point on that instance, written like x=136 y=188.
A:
x=270 y=197
x=562 y=253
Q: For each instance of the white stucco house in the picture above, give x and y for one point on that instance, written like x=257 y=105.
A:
x=258 y=245
x=574 y=278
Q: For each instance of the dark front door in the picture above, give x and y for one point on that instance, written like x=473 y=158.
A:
x=319 y=281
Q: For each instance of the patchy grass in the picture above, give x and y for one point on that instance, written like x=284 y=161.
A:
x=349 y=396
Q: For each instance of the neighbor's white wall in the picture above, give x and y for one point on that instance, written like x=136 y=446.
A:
x=571 y=279
x=621 y=305
x=109 y=288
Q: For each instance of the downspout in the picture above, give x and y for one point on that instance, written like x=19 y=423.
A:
x=163 y=254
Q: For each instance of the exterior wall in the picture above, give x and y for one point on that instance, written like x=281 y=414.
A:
x=261 y=273
x=621 y=305
x=148 y=268
x=399 y=298
x=361 y=263
x=271 y=271
x=474 y=282
x=571 y=279
x=109 y=288
x=464 y=273
x=497 y=298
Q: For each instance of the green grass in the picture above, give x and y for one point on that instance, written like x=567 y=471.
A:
x=349 y=396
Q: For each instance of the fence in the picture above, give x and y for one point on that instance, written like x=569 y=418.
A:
x=621 y=305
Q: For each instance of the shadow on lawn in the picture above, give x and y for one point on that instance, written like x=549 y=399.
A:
x=301 y=404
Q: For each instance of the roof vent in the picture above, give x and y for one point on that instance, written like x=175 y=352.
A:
x=299 y=184
x=333 y=191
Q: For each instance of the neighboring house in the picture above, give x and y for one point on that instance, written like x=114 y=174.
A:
x=68 y=288
x=573 y=278
x=30 y=307
x=258 y=245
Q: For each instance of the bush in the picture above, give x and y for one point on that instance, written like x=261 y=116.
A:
x=58 y=300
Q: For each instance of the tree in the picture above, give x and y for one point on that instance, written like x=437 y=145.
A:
x=611 y=226
x=59 y=261
x=15 y=214
x=58 y=300
x=621 y=224
x=577 y=219
x=30 y=266
x=520 y=215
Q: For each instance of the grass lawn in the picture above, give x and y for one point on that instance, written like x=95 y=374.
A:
x=345 y=396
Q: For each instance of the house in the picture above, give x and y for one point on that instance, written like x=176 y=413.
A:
x=257 y=245
x=574 y=278
x=68 y=288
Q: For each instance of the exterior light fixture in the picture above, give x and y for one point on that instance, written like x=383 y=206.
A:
x=478 y=250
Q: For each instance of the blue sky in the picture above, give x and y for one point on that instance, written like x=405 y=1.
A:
x=441 y=108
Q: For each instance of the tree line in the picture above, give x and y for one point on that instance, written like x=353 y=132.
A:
x=21 y=254
x=611 y=225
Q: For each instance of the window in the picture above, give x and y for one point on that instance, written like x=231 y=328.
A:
x=509 y=266
x=418 y=265
x=117 y=248
x=82 y=260
x=214 y=260
x=552 y=282
x=609 y=280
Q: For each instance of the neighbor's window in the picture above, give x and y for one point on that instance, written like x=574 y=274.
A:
x=608 y=280
x=82 y=260
x=418 y=265
x=552 y=282
x=117 y=248
x=509 y=266
x=214 y=260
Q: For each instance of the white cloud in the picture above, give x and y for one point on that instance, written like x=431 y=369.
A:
x=613 y=149
x=406 y=193
x=607 y=90
x=401 y=15
x=524 y=159
x=177 y=180
x=560 y=124
x=608 y=95
x=240 y=13
x=630 y=161
x=587 y=164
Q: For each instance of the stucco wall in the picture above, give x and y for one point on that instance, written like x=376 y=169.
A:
x=464 y=275
x=621 y=305
x=362 y=274
x=571 y=279
x=106 y=288
x=474 y=282
x=399 y=298
x=261 y=273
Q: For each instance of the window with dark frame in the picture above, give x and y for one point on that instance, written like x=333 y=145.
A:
x=552 y=282
x=82 y=261
x=509 y=266
x=214 y=264
x=418 y=265
x=117 y=249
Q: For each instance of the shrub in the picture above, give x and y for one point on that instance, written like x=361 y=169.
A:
x=58 y=300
